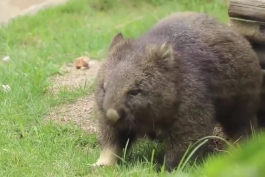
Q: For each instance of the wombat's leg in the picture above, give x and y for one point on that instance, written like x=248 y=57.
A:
x=177 y=144
x=112 y=143
x=239 y=124
x=176 y=149
x=238 y=114
x=243 y=130
x=194 y=122
x=261 y=112
x=173 y=155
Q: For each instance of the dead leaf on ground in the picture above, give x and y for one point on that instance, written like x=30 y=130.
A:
x=82 y=61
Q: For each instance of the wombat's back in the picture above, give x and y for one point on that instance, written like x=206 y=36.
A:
x=214 y=52
x=226 y=55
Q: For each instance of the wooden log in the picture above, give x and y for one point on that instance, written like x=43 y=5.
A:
x=247 y=9
x=251 y=30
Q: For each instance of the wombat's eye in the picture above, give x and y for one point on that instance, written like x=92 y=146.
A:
x=134 y=92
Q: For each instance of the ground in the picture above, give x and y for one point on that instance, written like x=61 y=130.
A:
x=79 y=112
x=46 y=114
x=13 y=8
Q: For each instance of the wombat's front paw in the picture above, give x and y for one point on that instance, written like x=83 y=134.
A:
x=101 y=163
x=107 y=158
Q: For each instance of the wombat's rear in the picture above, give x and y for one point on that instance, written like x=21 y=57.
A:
x=181 y=75
x=241 y=80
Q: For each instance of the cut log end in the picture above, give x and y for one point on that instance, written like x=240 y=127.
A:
x=246 y=9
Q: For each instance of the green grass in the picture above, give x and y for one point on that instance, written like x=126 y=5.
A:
x=38 y=46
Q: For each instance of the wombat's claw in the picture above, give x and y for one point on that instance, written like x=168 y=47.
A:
x=98 y=164
x=101 y=164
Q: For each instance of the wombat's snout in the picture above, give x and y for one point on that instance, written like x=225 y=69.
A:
x=113 y=115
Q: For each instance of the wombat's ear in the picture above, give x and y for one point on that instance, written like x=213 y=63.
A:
x=116 y=39
x=166 y=53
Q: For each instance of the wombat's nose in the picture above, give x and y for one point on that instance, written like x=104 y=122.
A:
x=113 y=115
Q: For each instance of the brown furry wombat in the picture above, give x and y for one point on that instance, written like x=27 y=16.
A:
x=261 y=111
x=187 y=72
x=252 y=31
x=260 y=51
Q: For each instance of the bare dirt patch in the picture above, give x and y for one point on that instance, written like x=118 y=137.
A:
x=10 y=9
x=81 y=111
x=73 y=78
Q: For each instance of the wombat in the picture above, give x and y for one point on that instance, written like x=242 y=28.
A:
x=254 y=33
x=181 y=77
x=261 y=111
x=260 y=51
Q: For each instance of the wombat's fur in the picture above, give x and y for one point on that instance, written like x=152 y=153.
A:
x=260 y=51
x=179 y=77
x=261 y=111
x=252 y=32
